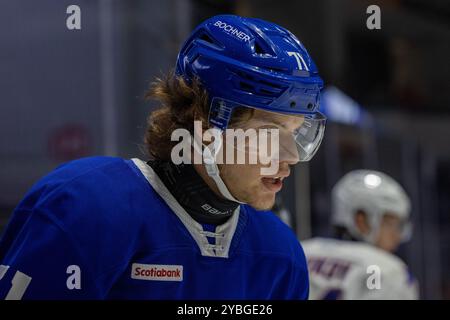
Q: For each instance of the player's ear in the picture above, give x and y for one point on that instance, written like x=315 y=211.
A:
x=361 y=222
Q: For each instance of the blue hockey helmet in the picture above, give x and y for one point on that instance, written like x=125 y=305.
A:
x=247 y=62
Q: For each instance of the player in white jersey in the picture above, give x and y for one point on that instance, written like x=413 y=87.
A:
x=371 y=217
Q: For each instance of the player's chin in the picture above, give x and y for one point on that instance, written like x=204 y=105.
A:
x=263 y=201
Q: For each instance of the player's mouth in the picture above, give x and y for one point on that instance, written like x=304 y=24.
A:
x=275 y=183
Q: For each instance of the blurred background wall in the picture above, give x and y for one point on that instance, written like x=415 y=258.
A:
x=66 y=94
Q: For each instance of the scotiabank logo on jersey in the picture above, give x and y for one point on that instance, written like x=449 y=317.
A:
x=156 y=272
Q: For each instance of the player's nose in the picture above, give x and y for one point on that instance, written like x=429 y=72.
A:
x=288 y=151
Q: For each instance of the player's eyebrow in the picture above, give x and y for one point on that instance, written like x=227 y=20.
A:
x=277 y=122
x=274 y=119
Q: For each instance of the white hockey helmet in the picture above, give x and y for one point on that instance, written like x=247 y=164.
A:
x=376 y=194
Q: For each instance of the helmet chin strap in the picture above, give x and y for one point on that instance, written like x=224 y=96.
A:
x=374 y=224
x=209 y=159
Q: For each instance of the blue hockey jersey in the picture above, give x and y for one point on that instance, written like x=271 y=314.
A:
x=108 y=228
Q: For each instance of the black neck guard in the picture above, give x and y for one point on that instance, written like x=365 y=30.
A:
x=193 y=194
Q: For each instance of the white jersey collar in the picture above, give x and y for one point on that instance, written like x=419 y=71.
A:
x=224 y=233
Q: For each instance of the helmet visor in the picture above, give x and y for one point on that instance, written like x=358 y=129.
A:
x=267 y=135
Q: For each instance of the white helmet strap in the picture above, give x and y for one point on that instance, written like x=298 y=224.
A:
x=374 y=225
x=209 y=156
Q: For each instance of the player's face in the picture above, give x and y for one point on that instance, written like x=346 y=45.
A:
x=389 y=235
x=246 y=181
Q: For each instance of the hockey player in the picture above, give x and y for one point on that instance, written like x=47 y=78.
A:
x=111 y=228
x=371 y=218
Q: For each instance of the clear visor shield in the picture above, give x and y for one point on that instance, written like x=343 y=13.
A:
x=260 y=136
x=402 y=226
x=406 y=231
